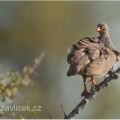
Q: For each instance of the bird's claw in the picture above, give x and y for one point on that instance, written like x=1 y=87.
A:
x=93 y=87
x=93 y=82
x=85 y=93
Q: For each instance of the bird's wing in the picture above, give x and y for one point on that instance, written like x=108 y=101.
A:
x=81 y=54
x=102 y=64
x=82 y=44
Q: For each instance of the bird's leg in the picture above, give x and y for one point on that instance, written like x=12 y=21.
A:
x=85 y=87
x=93 y=81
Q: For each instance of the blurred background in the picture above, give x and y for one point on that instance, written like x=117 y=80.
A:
x=28 y=29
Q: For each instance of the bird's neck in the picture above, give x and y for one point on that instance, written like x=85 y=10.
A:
x=104 y=36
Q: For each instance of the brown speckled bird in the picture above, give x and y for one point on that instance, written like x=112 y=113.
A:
x=90 y=58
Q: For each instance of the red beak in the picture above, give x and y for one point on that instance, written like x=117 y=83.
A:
x=98 y=29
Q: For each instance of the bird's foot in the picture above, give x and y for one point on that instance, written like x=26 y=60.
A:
x=85 y=93
x=93 y=82
x=93 y=87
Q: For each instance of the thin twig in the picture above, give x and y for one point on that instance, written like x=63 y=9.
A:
x=88 y=98
x=30 y=116
x=63 y=111
x=5 y=88
x=49 y=115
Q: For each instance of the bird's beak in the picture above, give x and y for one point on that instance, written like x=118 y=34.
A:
x=98 y=29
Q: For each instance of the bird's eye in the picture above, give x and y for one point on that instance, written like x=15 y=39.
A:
x=103 y=27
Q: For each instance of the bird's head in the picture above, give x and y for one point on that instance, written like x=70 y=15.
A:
x=102 y=28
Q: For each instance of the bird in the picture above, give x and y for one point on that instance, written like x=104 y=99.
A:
x=90 y=58
x=103 y=30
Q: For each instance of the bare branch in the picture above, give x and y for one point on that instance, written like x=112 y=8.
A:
x=88 y=98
